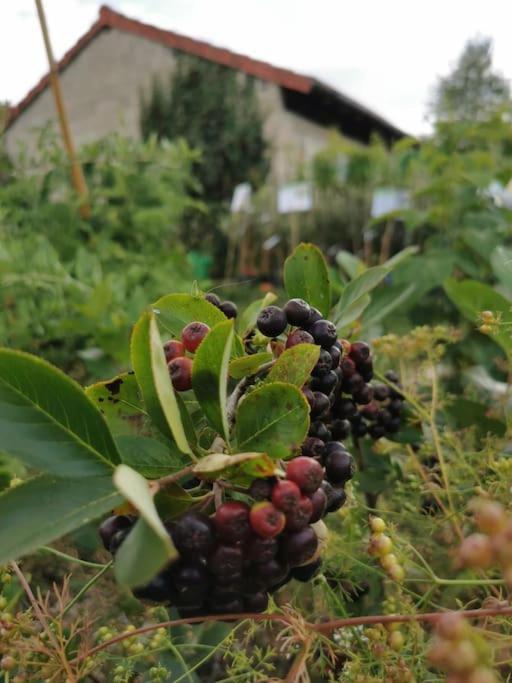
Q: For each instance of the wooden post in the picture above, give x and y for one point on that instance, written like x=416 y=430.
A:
x=77 y=175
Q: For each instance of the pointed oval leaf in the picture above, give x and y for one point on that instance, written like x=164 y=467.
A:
x=272 y=419
x=356 y=290
x=210 y=375
x=174 y=311
x=45 y=508
x=306 y=277
x=149 y=457
x=119 y=400
x=142 y=554
x=248 y=365
x=251 y=464
x=48 y=422
x=148 y=360
x=294 y=365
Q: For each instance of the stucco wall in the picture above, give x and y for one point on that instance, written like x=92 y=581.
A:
x=102 y=89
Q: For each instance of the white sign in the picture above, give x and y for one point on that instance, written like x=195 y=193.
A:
x=241 y=201
x=294 y=198
x=388 y=199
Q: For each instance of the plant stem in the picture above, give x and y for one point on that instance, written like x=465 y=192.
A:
x=86 y=587
x=59 y=650
x=172 y=478
x=70 y=558
x=295 y=671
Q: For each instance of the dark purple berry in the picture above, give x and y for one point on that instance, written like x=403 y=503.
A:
x=117 y=539
x=307 y=571
x=314 y=315
x=392 y=377
x=394 y=425
x=262 y=549
x=335 y=352
x=377 y=431
x=340 y=429
x=297 y=312
x=345 y=408
x=272 y=321
x=366 y=370
x=309 y=396
x=336 y=497
x=112 y=525
x=226 y=560
x=339 y=467
x=348 y=367
x=364 y=395
x=324 y=333
x=359 y=428
x=157 y=590
x=261 y=489
x=319 y=501
x=229 y=309
x=272 y=572
x=324 y=363
x=359 y=352
x=225 y=605
x=395 y=406
x=326 y=383
x=320 y=431
x=193 y=534
x=232 y=521
x=213 y=299
x=185 y=574
x=300 y=547
x=257 y=602
x=321 y=404
x=381 y=392
x=383 y=416
x=313 y=447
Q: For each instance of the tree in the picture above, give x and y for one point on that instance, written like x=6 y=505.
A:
x=216 y=110
x=473 y=91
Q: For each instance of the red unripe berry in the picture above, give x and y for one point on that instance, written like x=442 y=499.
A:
x=232 y=521
x=180 y=370
x=266 y=520
x=359 y=352
x=173 y=349
x=301 y=515
x=299 y=337
x=286 y=495
x=306 y=473
x=193 y=334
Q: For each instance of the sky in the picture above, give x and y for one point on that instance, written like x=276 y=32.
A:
x=387 y=54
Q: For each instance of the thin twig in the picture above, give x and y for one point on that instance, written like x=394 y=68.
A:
x=297 y=667
x=86 y=587
x=172 y=478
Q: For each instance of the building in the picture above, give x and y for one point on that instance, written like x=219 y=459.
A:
x=105 y=72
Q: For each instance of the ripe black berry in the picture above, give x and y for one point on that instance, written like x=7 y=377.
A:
x=229 y=309
x=226 y=561
x=117 y=539
x=272 y=572
x=324 y=363
x=335 y=352
x=383 y=416
x=157 y=590
x=359 y=428
x=272 y=321
x=112 y=525
x=319 y=502
x=299 y=337
x=321 y=404
x=193 y=534
x=186 y=574
x=376 y=431
x=314 y=315
x=319 y=430
x=392 y=376
x=348 y=367
x=393 y=425
x=339 y=467
x=345 y=408
x=308 y=394
x=340 y=429
x=300 y=547
x=326 y=383
x=213 y=299
x=366 y=370
x=307 y=571
x=336 y=497
x=297 y=312
x=395 y=406
x=262 y=549
x=381 y=392
x=258 y=602
x=364 y=395
x=313 y=447
x=324 y=333
x=222 y=605
x=261 y=489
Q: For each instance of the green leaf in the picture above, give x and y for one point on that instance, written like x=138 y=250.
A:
x=306 y=277
x=120 y=401
x=352 y=312
x=350 y=264
x=174 y=311
x=384 y=302
x=149 y=457
x=400 y=257
x=248 y=365
x=472 y=297
x=249 y=464
x=501 y=262
x=294 y=365
x=45 y=508
x=272 y=419
x=247 y=321
x=141 y=556
x=148 y=360
x=174 y=500
x=48 y=422
x=210 y=375
x=355 y=291
x=465 y=413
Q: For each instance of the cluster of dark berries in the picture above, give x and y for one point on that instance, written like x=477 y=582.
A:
x=227 y=307
x=340 y=394
x=231 y=561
